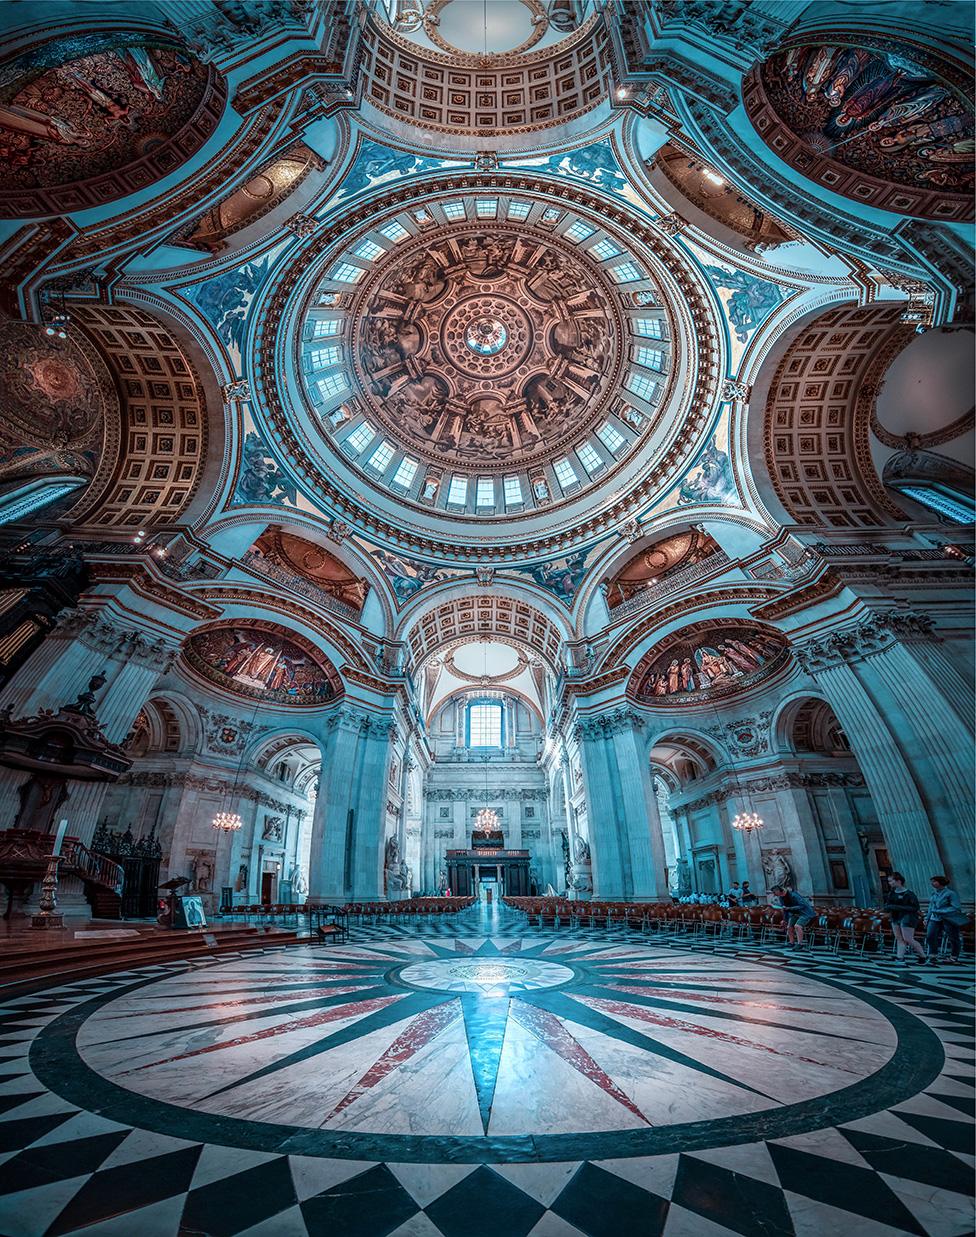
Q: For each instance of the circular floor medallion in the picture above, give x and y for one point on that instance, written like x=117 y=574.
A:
x=485 y=1050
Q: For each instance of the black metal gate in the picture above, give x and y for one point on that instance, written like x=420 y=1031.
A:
x=140 y=861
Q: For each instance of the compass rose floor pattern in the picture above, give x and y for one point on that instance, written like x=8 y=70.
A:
x=481 y=1077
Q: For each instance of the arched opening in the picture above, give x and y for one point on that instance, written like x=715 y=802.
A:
x=696 y=839
x=840 y=822
x=277 y=866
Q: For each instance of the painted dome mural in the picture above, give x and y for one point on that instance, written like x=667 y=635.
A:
x=487 y=347
x=480 y=357
x=265 y=664
x=890 y=113
x=92 y=117
x=708 y=660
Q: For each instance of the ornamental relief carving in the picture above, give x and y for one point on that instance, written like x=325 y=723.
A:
x=479 y=346
x=873 y=635
x=277 y=401
x=101 y=636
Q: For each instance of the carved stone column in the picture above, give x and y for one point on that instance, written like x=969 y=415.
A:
x=626 y=842
x=908 y=738
x=83 y=643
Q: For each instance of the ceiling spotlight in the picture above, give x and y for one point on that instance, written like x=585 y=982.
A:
x=622 y=92
x=714 y=177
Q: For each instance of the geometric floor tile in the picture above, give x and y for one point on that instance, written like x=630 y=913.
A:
x=517 y=1081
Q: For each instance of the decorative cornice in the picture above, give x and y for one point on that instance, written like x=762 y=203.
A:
x=144 y=584
x=874 y=634
x=194 y=781
x=94 y=632
x=781 y=781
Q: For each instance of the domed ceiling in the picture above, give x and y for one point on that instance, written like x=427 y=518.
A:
x=479 y=358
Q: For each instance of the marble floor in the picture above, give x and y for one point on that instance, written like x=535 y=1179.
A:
x=475 y=1076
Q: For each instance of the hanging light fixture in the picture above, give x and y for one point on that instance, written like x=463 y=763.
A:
x=487 y=819
x=747 y=822
x=227 y=822
x=230 y=822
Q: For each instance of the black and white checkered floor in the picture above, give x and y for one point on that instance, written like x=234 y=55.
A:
x=85 y=1148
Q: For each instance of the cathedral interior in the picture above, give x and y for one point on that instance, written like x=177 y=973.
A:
x=486 y=618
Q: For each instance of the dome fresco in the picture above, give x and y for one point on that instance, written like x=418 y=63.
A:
x=106 y=111
x=488 y=357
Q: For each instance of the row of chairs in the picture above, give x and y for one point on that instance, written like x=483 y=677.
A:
x=286 y=913
x=855 y=931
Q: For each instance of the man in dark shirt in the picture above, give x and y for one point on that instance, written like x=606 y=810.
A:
x=798 y=912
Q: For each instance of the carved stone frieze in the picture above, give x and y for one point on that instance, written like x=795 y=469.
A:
x=465 y=793
x=101 y=636
x=872 y=635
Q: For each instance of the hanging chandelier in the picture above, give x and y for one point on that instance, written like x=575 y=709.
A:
x=747 y=822
x=486 y=820
x=227 y=822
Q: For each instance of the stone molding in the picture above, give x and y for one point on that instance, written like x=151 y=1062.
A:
x=194 y=781
x=780 y=781
x=874 y=634
x=120 y=644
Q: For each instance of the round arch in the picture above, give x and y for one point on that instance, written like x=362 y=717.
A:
x=809 y=417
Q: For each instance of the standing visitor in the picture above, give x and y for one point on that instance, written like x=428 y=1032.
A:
x=903 y=907
x=798 y=911
x=944 y=917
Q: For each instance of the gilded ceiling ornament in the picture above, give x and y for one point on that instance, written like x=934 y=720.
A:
x=486 y=347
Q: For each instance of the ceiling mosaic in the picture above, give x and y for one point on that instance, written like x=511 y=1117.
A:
x=104 y=113
x=263 y=664
x=709 y=660
x=57 y=402
x=889 y=112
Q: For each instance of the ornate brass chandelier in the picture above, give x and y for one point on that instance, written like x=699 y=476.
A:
x=747 y=821
x=227 y=822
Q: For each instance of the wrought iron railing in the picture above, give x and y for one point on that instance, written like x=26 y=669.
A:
x=92 y=867
x=671 y=584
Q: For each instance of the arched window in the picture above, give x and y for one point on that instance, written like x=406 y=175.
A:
x=485 y=724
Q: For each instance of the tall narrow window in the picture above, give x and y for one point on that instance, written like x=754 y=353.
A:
x=485 y=723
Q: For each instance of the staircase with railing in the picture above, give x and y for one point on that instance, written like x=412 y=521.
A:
x=103 y=879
